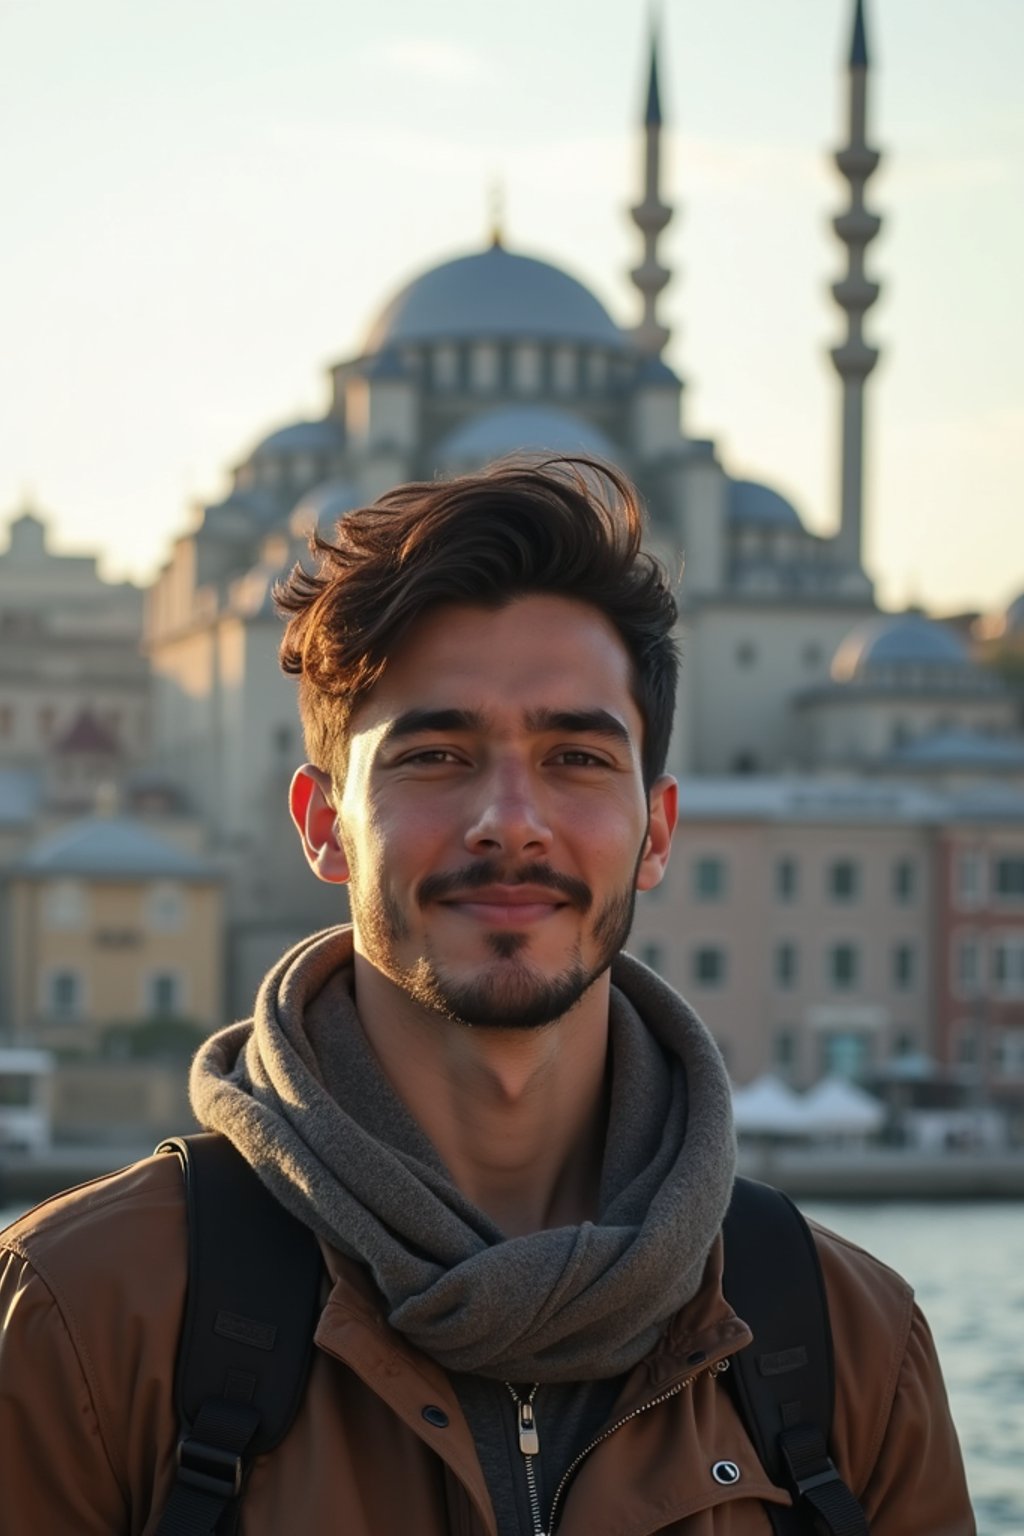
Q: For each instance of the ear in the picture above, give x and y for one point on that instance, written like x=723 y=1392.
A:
x=663 y=809
x=310 y=802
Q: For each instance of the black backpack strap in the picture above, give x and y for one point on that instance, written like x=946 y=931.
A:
x=784 y=1382
x=247 y=1337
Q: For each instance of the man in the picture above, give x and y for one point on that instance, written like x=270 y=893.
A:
x=512 y=1141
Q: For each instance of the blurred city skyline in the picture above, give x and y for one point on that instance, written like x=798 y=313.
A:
x=205 y=208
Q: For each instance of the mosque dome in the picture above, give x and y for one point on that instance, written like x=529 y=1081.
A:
x=321 y=508
x=323 y=436
x=758 y=506
x=494 y=294
x=523 y=428
x=885 y=646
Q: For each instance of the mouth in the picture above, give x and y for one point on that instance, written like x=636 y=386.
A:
x=507 y=906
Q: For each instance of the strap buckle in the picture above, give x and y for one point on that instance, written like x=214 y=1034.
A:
x=815 y=1480
x=209 y=1468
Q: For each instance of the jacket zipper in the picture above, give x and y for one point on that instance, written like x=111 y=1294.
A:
x=714 y=1369
x=529 y=1444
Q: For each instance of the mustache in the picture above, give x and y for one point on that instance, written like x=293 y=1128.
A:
x=476 y=876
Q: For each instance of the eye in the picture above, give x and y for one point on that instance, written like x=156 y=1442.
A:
x=579 y=757
x=429 y=757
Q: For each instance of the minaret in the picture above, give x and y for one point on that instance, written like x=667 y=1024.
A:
x=854 y=359
x=650 y=217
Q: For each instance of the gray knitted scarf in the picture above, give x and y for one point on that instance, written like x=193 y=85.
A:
x=300 y=1093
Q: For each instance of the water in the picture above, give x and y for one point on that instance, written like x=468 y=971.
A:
x=966 y=1263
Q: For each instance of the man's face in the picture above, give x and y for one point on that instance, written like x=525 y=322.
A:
x=493 y=823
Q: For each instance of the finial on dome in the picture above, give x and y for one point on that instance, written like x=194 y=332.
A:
x=496 y=206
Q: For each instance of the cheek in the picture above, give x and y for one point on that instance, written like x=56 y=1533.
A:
x=605 y=845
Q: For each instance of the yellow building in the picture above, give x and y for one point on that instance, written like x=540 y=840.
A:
x=108 y=923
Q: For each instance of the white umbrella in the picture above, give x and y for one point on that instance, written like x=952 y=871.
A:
x=838 y=1107
x=768 y=1107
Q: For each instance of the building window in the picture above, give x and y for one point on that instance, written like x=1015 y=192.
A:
x=970 y=873
x=784 y=1051
x=843 y=880
x=746 y=653
x=785 y=965
x=708 y=965
x=786 y=879
x=1008 y=879
x=844 y=1054
x=967 y=1046
x=1008 y=966
x=903 y=967
x=653 y=955
x=165 y=907
x=967 y=967
x=64 y=995
x=163 y=995
x=65 y=907
x=1008 y=1053
x=843 y=967
x=904 y=881
x=708 y=879
x=904 y=1045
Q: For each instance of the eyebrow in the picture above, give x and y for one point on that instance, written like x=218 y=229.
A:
x=576 y=722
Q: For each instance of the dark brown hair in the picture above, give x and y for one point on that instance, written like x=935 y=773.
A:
x=567 y=526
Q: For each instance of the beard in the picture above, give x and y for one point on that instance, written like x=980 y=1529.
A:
x=509 y=993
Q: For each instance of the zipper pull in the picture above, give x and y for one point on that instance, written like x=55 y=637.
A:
x=529 y=1440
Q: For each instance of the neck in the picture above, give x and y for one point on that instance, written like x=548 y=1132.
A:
x=516 y=1116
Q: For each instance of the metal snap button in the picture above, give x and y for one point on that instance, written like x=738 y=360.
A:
x=436 y=1416
x=726 y=1473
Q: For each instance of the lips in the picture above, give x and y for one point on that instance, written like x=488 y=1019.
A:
x=507 y=904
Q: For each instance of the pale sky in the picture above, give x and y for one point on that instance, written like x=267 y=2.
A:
x=206 y=203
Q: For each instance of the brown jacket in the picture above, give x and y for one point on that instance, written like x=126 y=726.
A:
x=91 y=1295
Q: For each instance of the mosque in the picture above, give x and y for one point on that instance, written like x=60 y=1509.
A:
x=791 y=676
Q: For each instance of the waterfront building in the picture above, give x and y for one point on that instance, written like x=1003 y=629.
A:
x=825 y=925
x=107 y=923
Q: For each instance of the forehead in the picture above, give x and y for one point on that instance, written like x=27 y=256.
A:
x=535 y=650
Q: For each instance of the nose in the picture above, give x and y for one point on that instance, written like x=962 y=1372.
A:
x=508 y=818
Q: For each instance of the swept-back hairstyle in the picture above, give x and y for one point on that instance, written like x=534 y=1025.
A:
x=570 y=527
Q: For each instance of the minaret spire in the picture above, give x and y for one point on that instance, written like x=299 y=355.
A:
x=650 y=216
x=854 y=294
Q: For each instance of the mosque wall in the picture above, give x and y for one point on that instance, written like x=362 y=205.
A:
x=747 y=662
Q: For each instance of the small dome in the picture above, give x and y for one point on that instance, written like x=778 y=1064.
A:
x=522 y=428
x=238 y=515
x=321 y=508
x=112 y=847
x=905 y=640
x=754 y=505
x=494 y=294
x=324 y=436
